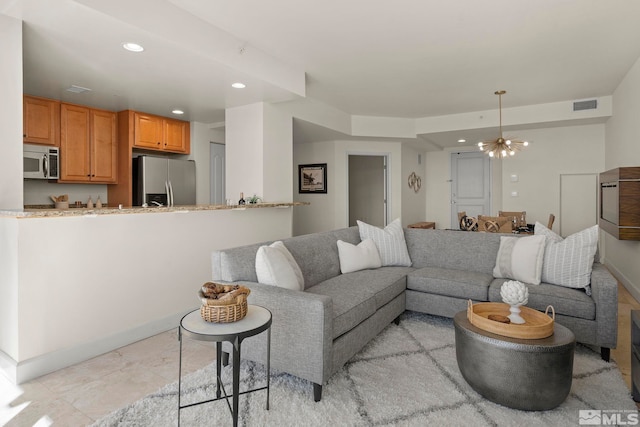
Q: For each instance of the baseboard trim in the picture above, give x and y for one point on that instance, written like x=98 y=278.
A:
x=27 y=370
x=629 y=286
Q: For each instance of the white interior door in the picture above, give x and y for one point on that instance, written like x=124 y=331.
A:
x=367 y=190
x=578 y=202
x=217 y=187
x=470 y=185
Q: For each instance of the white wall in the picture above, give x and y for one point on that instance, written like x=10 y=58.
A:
x=244 y=150
x=259 y=152
x=413 y=204
x=11 y=113
x=319 y=215
x=330 y=211
x=552 y=152
x=277 y=155
x=99 y=290
x=623 y=149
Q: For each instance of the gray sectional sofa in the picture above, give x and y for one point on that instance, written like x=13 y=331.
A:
x=316 y=331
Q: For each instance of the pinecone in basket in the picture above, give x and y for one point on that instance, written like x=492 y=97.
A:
x=219 y=294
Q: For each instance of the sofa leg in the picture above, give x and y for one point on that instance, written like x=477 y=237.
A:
x=397 y=320
x=317 y=392
x=605 y=353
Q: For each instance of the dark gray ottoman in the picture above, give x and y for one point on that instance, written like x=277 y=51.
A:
x=532 y=375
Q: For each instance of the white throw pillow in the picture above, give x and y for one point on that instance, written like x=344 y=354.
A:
x=390 y=242
x=568 y=262
x=520 y=258
x=356 y=258
x=276 y=266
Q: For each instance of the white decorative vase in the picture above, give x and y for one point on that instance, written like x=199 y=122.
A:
x=515 y=315
x=515 y=294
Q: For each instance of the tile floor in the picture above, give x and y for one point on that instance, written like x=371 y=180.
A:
x=85 y=392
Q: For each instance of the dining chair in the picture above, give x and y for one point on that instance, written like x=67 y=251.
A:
x=518 y=219
x=552 y=218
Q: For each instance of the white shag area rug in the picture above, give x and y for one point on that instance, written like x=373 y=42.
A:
x=407 y=376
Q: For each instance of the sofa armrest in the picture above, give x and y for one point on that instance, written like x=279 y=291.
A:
x=301 y=330
x=604 y=291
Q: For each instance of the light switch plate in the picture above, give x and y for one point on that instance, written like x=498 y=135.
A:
x=514 y=194
x=514 y=178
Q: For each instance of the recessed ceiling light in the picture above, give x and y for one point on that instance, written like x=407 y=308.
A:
x=132 y=47
x=239 y=85
x=462 y=140
x=179 y=112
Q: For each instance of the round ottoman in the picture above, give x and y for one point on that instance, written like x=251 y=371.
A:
x=532 y=375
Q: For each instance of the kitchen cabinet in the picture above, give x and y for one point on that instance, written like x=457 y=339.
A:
x=161 y=133
x=148 y=132
x=41 y=121
x=88 y=145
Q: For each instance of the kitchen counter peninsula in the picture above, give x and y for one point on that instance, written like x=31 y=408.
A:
x=77 y=283
x=49 y=211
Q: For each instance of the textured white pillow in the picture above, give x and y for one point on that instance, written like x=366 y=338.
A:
x=390 y=242
x=568 y=262
x=520 y=258
x=276 y=266
x=356 y=258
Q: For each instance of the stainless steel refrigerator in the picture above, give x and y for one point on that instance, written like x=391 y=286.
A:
x=160 y=181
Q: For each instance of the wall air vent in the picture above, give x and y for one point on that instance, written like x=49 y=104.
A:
x=590 y=104
x=78 y=89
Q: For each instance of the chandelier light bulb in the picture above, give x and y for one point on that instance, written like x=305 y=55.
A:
x=504 y=153
x=508 y=142
x=511 y=153
x=490 y=153
x=525 y=143
x=480 y=144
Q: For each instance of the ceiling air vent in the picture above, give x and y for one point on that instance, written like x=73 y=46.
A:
x=590 y=104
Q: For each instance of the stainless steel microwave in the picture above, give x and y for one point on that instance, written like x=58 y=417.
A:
x=41 y=162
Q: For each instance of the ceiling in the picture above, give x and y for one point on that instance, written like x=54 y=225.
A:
x=406 y=58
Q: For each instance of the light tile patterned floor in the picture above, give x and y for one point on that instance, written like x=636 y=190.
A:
x=85 y=392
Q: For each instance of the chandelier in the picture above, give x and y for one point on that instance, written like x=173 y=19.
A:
x=501 y=147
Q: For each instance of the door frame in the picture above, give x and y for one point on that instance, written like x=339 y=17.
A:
x=387 y=194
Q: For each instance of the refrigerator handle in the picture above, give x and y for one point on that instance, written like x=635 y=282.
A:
x=170 y=194
x=166 y=190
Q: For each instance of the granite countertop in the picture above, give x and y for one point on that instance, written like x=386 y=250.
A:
x=41 y=211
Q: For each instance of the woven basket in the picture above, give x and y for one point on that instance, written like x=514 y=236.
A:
x=225 y=313
x=223 y=310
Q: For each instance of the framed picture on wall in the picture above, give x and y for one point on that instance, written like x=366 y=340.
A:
x=312 y=178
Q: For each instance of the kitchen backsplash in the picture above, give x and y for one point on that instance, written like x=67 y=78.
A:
x=38 y=192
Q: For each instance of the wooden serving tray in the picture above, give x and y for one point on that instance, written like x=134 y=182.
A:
x=538 y=325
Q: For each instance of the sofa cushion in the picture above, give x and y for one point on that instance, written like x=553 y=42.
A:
x=358 y=257
x=568 y=262
x=452 y=249
x=450 y=282
x=357 y=295
x=520 y=258
x=275 y=266
x=389 y=241
x=565 y=301
x=317 y=253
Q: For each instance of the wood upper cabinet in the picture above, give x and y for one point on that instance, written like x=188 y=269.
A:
x=161 y=133
x=41 y=121
x=148 y=131
x=88 y=145
x=176 y=136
